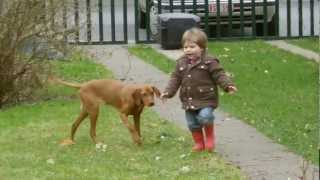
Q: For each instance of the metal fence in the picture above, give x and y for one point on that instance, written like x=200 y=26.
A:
x=94 y=22
x=122 y=21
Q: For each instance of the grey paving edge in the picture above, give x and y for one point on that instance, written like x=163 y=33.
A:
x=295 y=50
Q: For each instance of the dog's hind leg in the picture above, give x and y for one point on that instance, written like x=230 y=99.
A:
x=93 y=115
x=83 y=114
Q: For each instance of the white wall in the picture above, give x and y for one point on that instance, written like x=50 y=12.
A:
x=295 y=17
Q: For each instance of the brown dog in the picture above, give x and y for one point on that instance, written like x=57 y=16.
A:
x=128 y=99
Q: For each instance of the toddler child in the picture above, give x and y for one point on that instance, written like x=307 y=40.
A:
x=198 y=75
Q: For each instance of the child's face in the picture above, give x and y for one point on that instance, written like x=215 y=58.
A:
x=192 y=50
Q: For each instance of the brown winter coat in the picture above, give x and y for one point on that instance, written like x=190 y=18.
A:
x=198 y=82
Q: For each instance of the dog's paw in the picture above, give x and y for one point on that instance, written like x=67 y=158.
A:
x=66 y=142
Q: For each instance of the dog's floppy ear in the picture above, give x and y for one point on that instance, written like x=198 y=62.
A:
x=156 y=91
x=137 y=97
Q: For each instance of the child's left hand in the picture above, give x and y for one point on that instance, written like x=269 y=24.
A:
x=231 y=89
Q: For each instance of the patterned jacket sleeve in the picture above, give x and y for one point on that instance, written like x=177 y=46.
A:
x=219 y=75
x=174 y=83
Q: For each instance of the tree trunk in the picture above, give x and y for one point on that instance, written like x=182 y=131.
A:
x=1 y=6
x=6 y=79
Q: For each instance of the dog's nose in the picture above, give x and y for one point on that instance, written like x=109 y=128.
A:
x=151 y=104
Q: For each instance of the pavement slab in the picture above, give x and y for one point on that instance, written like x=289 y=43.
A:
x=296 y=50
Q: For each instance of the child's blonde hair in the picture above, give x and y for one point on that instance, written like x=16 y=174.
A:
x=197 y=36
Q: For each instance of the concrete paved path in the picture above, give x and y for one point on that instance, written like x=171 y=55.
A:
x=256 y=155
x=296 y=50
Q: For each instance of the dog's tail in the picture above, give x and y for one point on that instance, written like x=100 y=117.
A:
x=57 y=80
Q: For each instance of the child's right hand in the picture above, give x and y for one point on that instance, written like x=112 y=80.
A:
x=232 y=89
x=164 y=97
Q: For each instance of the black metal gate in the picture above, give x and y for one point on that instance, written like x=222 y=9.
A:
x=122 y=21
x=94 y=21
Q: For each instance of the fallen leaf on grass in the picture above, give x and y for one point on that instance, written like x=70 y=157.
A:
x=50 y=161
x=183 y=156
x=185 y=169
x=154 y=125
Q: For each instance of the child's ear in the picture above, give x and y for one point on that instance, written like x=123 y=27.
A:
x=203 y=51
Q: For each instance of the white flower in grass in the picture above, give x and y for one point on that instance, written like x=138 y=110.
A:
x=50 y=161
x=104 y=146
x=181 y=139
x=266 y=71
x=185 y=169
x=225 y=55
x=183 y=156
x=162 y=137
x=229 y=74
x=99 y=145
x=157 y=158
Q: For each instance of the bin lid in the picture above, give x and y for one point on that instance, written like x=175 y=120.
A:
x=168 y=16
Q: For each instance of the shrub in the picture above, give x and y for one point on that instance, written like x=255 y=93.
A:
x=30 y=30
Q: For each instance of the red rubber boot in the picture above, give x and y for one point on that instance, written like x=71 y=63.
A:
x=210 y=137
x=198 y=141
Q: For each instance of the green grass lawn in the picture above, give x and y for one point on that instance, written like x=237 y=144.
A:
x=30 y=133
x=307 y=43
x=278 y=91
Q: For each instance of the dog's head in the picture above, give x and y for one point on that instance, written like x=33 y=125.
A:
x=145 y=95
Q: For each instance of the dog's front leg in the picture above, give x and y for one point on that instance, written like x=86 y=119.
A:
x=132 y=130
x=136 y=119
